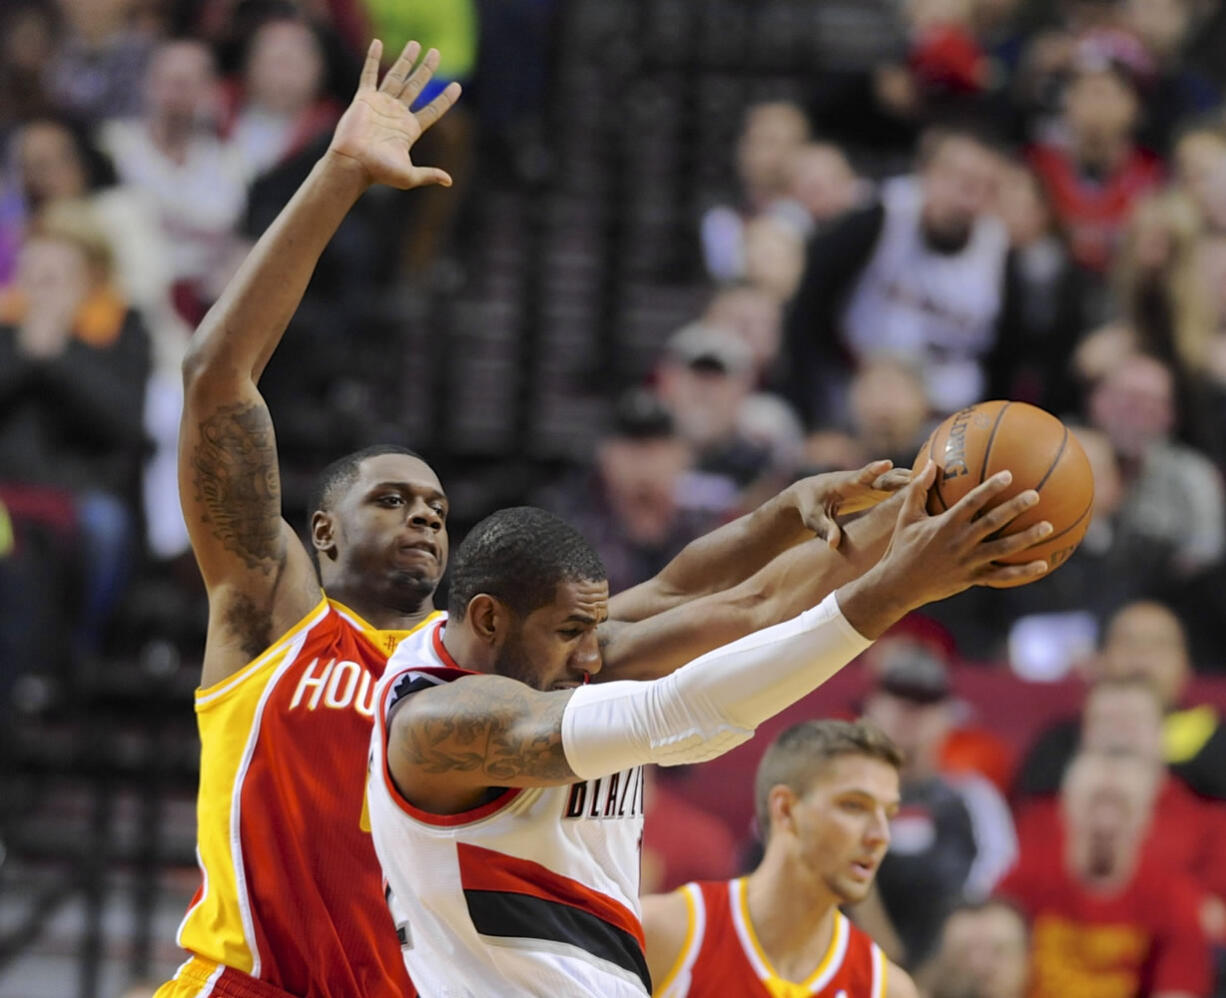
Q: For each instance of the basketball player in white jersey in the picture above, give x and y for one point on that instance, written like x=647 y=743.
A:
x=505 y=787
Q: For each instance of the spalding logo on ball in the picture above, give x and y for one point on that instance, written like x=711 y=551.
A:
x=975 y=443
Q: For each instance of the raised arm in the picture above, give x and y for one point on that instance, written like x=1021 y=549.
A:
x=449 y=745
x=726 y=557
x=259 y=577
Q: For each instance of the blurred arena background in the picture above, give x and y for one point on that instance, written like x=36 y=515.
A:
x=695 y=250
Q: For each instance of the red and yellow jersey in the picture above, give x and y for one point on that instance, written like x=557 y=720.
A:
x=722 y=955
x=292 y=895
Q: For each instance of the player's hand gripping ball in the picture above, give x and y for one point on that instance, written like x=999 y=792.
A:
x=975 y=443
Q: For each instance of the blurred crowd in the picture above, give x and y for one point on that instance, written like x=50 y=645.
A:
x=1021 y=200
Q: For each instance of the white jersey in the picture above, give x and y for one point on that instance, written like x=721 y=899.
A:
x=534 y=892
x=938 y=310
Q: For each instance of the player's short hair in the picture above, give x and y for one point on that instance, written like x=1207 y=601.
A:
x=520 y=556
x=331 y=483
x=799 y=756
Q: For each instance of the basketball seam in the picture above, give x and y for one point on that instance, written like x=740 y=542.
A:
x=1072 y=525
x=1059 y=454
x=987 y=451
x=936 y=483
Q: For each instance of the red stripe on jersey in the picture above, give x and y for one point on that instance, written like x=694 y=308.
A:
x=488 y=870
x=444 y=655
x=447 y=820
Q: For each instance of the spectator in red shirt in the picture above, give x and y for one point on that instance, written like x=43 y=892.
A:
x=1095 y=171
x=1124 y=714
x=1108 y=918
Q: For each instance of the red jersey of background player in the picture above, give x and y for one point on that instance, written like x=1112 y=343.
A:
x=722 y=955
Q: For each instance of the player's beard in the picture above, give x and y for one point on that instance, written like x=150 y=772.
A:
x=513 y=661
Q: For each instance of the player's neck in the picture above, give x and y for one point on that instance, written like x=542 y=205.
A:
x=378 y=613
x=792 y=917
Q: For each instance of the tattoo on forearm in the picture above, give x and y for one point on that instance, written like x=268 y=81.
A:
x=235 y=476
x=494 y=730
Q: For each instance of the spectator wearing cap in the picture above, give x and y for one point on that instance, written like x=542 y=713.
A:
x=706 y=381
x=953 y=837
x=629 y=503
x=917 y=273
x=1093 y=170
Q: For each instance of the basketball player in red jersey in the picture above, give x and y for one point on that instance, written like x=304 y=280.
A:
x=825 y=793
x=291 y=901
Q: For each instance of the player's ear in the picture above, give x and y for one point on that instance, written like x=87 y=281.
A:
x=488 y=617
x=781 y=805
x=323 y=533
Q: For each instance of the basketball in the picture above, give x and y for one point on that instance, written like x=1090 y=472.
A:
x=975 y=443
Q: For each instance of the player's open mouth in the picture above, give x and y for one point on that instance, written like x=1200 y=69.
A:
x=864 y=870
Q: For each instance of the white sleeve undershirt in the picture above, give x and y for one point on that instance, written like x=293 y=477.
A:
x=713 y=703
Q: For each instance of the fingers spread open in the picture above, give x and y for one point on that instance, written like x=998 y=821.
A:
x=414 y=85
x=981 y=495
x=1001 y=516
x=370 y=68
x=438 y=107
x=394 y=82
x=1008 y=575
x=1002 y=547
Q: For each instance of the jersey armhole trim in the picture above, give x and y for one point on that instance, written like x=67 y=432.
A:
x=207 y=695
x=694 y=932
x=468 y=817
x=881 y=969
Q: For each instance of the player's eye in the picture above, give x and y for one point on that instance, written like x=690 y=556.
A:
x=392 y=500
x=571 y=633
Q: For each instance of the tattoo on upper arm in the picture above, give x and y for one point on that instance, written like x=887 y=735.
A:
x=492 y=729
x=236 y=481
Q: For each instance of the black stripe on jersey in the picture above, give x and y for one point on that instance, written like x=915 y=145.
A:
x=521 y=916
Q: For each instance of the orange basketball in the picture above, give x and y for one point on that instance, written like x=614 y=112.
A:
x=975 y=443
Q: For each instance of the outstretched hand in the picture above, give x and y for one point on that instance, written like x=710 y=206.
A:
x=820 y=499
x=932 y=557
x=962 y=547
x=377 y=132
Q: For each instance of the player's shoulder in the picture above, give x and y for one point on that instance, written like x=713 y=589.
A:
x=670 y=908
x=667 y=928
x=898 y=983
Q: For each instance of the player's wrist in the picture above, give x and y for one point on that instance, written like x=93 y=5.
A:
x=344 y=173
x=875 y=601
